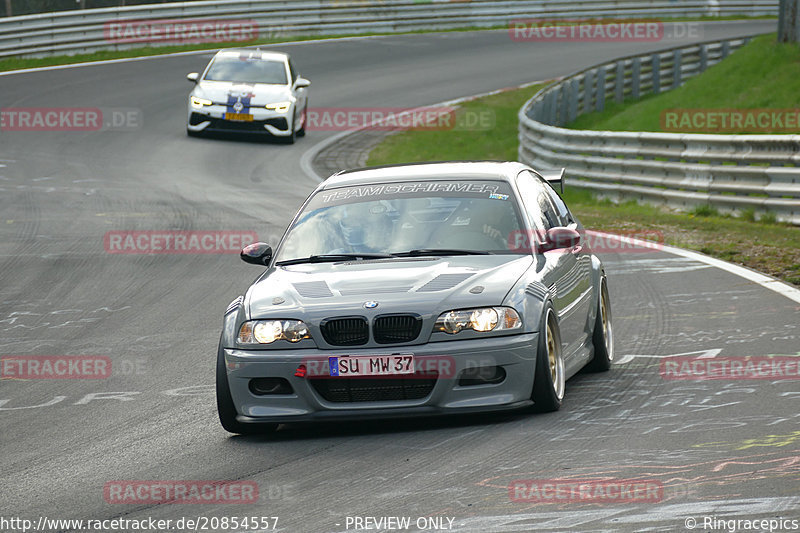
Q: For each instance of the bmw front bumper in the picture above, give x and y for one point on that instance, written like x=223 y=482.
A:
x=454 y=390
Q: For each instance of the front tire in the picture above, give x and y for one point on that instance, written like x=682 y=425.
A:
x=291 y=138
x=603 y=335
x=227 y=410
x=304 y=117
x=549 y=378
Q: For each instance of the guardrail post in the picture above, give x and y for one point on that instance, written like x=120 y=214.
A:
x=541 y=112
x=619 y=82
x=548 y=106
x=656 y=62
x=553 y=106
x=703 y=58
x=600 y=101
x=636 y=77
x=563 y=115
x=573 y=101
x=677 y=63
x=536 y=111
x=726 y=49
x=588 y=89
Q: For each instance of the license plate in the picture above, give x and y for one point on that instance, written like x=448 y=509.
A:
x=371 y=365
x=239 y=117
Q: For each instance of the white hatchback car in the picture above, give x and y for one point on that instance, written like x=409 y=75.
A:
x=249 y=91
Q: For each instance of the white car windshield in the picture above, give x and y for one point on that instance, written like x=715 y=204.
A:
x=399 y=217
x=247 y=70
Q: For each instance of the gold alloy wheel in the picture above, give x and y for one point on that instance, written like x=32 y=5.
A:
x=604 y=317
x=554 y=360
x=552 y=356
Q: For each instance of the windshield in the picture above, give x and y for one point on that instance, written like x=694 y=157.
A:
x=245 y=69
x=396 y=218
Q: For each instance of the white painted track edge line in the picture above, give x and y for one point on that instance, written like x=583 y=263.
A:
x=768 y=282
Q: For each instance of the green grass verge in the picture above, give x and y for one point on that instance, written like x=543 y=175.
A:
x=492 y=142
x=762 y=74
x=767 y=247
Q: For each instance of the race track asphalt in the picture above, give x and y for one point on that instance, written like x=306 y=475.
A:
x=724 y=448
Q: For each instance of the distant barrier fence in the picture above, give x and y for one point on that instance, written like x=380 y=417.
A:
x=728 y=172
x=86 y=30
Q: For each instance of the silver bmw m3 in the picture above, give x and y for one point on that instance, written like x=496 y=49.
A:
x=415 y=290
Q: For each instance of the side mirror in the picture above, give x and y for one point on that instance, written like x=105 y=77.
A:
x=258 y=253
x=301 y=82
x=558 y=239
x=193 y=77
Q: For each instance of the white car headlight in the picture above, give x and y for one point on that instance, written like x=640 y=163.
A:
x=279 y=107
x=269 y=331
x=200 y=102
x=480 y=319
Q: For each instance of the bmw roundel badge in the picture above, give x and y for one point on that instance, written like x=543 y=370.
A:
x=371 y=304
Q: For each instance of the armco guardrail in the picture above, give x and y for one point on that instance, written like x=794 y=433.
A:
x=729 y=172
x=83 y=30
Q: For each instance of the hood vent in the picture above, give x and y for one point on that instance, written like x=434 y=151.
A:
x=313 y=289
x=373 y=289
x=442 y=282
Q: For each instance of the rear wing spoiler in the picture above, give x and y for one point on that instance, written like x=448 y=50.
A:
x=554 y=178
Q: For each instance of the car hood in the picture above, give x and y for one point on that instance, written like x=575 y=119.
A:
x=219 y=91
x=425 y=286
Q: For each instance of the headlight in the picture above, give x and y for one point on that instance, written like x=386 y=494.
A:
x=279 y=107
x=269 y=331
x=200 y=102
x=481 y=319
